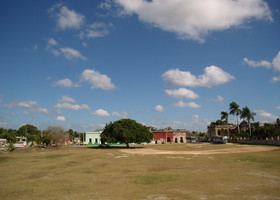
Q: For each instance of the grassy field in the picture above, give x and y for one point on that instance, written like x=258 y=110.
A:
x=91 y=173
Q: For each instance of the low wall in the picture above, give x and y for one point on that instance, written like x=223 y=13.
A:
x=257 y=142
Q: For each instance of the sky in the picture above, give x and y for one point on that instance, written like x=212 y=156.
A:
x=82 y=64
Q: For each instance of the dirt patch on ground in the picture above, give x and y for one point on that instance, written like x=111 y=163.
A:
x=245 y=149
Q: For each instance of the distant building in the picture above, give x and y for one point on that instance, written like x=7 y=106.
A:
x=93 y=138
x=222 y=130
x=21 y=142
x=169 y=135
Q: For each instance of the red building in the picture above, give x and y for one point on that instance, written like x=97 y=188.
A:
x=169 y=136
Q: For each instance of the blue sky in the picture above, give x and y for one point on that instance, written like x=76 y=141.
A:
x=163 y=63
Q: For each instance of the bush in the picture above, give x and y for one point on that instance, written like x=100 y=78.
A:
x=11 y=147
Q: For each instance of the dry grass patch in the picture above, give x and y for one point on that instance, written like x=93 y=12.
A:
x=88 y=173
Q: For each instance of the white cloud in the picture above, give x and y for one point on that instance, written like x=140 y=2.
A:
x=101 y=113
x=97 y=29
x=97 y=80
x=35 y=47
x=67 y=99
x=70 y=103
x=72 y=54
x=31 y=106
x=52 y=42
x=276 y=62
x=182 y=93
x=66 y=18
x=65 y=83
x=278 y=107
x=84 y=44
x=182 y=104
x=195 y=117
x=159 y=108
x=262 y=63
x=265 y=114
x=212 y=76
x=275 y=79
x=72 y=106
x=61 y=119
x=121 y=115
x=219 y=99
x=192 y=19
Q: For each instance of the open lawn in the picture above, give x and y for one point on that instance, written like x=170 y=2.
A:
x=92 y=173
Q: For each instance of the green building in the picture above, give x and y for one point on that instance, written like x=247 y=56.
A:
x=93 y=138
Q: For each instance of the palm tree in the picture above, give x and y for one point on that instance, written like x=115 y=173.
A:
x=247 y=114
x=224 y=115
x=235 y=110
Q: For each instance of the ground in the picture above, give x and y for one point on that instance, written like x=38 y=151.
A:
x=241 y=149
x=156 y=172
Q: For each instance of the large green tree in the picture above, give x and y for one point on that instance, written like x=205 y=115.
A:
x=29 y=131
x=247 y=114
x=235 y=110
x=126 y=131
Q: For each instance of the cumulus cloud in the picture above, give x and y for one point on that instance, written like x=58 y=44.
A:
x=31 y=106
x=69 y=53
x=262 y=113
x=101 y=113
x=276 y=62
x=212 y=76
x=159 y=108
x=195 y=116
x=97 y=29
x=70 y=103
x=219 y=99
x=192 y=19
x=67 y=99
x=275 y=79
x=182 y=104
x=262 y=63
x=97 y=80
x=182 y=93
x=278 y=107
x=121 y=115
x=72 y=106
x=65 y=83
x=66 y=18
x=72 y=54
x=61 y=119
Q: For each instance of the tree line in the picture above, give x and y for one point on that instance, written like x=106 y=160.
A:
x=261 y=132
x=52 y=135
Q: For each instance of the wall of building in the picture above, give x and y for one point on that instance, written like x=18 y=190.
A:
x=93 y=138
x=268 y=141
x=163 y=137
x=222 y=130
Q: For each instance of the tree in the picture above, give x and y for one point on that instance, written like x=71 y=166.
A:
x=29 y=131
x=57 y=134
x=225 y=117
x=8 y=134
x=235 y=110
x=126 y=131
x=247 y=114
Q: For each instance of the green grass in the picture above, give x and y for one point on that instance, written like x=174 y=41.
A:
x=92 y=173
